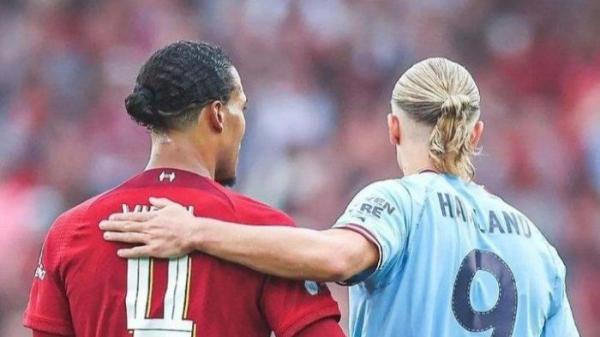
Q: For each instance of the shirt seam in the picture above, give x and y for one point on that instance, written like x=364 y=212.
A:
x=359 y=229
x=414 y=224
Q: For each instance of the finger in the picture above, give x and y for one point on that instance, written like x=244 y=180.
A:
x=132 y=216
x=125 y=237
x=120 y=226
x=129 y=253
x=161 y=202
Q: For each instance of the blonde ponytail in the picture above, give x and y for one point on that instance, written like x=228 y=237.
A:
x=441 y=93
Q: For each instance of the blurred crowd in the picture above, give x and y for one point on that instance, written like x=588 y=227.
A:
x=319 y=75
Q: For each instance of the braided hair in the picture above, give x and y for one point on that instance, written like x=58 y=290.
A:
x=176 y=82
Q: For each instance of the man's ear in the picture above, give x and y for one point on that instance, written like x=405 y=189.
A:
x=477 y=132
x=394 y=129
x=215 y=113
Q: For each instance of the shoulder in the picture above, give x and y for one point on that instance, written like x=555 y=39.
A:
x=540 y=243
x=419 y=185
x=539 y=239
x=406 y=190
x=77 y=214
x=69 y=220
x=379 y=193
x=391 y=187
x=57 y=238
x=386 y=200
x=253 y=212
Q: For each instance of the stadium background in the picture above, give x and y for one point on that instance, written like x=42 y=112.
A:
x=319 y=76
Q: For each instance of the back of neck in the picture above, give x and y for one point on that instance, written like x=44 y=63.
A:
x=415 y=158
x=179 y=153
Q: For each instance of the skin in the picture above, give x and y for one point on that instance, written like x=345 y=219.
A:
x=281 y=251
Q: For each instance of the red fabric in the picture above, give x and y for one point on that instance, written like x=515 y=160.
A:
x=37 y=333
x=84 y=286
x=279 y=295
x=324 y=328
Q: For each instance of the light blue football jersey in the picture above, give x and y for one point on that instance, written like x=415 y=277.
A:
x=455 y=261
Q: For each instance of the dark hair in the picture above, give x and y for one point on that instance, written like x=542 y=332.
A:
x=176 y=82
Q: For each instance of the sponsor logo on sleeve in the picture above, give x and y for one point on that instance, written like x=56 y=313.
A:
x=372 y=207
x=40 y=272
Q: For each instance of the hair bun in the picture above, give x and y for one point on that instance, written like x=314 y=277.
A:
x=139 y=105
x=456 y=105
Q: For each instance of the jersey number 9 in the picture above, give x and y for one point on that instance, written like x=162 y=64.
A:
x=501 y=317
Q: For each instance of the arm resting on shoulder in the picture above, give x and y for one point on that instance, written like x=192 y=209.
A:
x=299 y=253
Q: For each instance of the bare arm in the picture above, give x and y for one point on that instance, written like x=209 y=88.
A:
x=330 y=255
x=298 y=253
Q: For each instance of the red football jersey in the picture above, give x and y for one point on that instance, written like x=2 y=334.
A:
x=82 y=288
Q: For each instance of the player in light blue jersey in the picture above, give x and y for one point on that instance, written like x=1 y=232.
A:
x=432 y=254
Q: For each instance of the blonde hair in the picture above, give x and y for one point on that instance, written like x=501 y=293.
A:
x=442 y=94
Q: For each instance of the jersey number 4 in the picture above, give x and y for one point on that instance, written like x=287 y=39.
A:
x=139 y=299
x=501 y=317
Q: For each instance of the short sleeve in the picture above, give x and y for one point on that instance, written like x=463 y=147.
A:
x=290 y=306
x=379 y=213
x=48 y=307
x=560 y=322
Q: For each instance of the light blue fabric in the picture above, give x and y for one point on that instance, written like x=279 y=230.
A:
x=455 y=261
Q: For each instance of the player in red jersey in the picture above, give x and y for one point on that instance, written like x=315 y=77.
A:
x=190 y=97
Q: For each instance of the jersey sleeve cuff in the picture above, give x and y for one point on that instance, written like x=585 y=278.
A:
x=305 y=320
x=367 y=234
x=45 y=324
